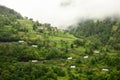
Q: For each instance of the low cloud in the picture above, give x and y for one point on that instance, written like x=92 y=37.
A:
x=62 y=13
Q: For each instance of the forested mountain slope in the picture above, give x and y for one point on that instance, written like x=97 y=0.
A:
x=99 y=32
x=30 y=50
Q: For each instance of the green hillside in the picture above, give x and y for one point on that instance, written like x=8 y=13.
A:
x=30 y=50
x=100 y=33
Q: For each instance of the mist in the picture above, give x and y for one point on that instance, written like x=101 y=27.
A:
x=62 y=13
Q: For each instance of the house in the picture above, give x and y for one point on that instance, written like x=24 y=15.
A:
x=105 y=69
x=34 y=61
x=96 y=51
x=72 y=67
x=34 y=46
x=85 y=57
x=42 y=27
x=21 y=41
x=69 y=58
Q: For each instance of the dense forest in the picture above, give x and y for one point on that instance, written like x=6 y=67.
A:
x=100 y=33
x=30 y=50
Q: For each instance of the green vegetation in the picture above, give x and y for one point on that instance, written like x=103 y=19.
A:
x=30 y=50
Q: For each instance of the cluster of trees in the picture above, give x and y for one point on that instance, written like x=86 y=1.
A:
x=13 y=57
x=26 y=71
x=23 y=52
x=8 y=35
x=16 y=62
x=99 y=32
x=102 y=35
x=8 y=18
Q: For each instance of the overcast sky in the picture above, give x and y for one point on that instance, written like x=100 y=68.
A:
x=62 y=13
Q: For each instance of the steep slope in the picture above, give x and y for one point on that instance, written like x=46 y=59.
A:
x=7 y=18
x=99 y=32
x=9 y=13
x=30 y=50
